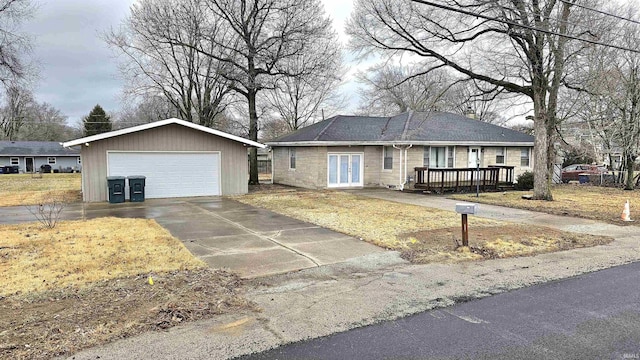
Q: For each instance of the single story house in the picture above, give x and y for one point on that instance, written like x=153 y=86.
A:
x=178 y=158
x=365 y=151
x=29 y=156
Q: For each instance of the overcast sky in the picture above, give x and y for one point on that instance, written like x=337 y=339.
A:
x=78 y=70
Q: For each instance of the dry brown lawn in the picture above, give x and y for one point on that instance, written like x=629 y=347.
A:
x=422 y=234
x=591 y=202
x=24 y=189
x=79 y=252
x=84 y=283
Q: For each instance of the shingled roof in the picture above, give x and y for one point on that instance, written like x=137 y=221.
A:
x=35 y=148
x=405 y=128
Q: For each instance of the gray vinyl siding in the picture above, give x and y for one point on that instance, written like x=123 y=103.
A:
x=62 y=162
x=233 y=156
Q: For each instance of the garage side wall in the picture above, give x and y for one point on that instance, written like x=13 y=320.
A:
x=233 y=156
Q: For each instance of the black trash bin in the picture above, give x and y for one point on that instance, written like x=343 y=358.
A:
x=116 y=189
x=11 y=169
x=136 y=188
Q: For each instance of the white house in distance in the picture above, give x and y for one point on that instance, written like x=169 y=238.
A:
x=29 y=156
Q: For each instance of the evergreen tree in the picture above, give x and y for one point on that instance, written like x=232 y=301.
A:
x=97 y=122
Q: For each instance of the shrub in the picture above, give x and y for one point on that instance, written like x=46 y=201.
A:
x=524 y=181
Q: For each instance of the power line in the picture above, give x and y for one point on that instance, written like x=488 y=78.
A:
x=589 y=29
x=512 y=23
x=601 y=12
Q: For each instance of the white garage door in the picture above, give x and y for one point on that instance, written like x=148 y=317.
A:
x=170 y=174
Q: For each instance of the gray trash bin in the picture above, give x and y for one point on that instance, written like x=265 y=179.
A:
x=116 y=189
x=136 y=188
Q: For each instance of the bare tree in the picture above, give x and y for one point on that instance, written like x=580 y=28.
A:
x=391 y=89
x=155 y=65
x=299 y=101
x=257 y=40
x=14 y=114
x=13 y=44
x=46 y=123
x=516 y=46
x=612 y=100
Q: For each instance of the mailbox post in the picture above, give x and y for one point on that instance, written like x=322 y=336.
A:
x=465 y=209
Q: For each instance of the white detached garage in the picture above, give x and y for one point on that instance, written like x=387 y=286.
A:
x=178 y=158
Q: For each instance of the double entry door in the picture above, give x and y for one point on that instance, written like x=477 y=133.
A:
x=345 y=170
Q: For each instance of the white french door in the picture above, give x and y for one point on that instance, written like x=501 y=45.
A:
x=344 y=170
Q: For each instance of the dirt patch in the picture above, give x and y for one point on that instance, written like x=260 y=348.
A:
x=265 y=188
x=52 y=323
x=492 y=242
x=585 y=201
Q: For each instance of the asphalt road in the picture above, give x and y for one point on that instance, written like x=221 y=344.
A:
x=593 y=316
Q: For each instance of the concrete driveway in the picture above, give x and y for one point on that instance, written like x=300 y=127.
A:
x=227 y=234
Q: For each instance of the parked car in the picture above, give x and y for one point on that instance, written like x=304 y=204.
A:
x=572 y=172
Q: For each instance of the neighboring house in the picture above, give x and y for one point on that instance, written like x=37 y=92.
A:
x=581 y=136
x=362 y=151
x=29 y=156
x=178 y=158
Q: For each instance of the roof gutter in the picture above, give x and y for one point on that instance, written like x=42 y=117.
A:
x=391 y=143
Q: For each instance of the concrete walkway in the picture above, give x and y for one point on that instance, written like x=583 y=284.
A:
x=565 y=223
x=227 y=234
x=328 y=299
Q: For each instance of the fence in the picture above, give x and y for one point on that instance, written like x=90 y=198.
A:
x=264 y=166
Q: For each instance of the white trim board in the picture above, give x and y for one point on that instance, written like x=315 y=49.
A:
x=156 y=124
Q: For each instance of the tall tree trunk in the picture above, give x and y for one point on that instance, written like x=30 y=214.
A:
x=629 y=184
x=541 y=181
x=253 y=135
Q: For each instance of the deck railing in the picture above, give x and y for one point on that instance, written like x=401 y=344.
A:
x=463 y=179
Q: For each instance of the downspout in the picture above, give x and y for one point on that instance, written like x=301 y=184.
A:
x=405 y=164
x=402 y=182
x=272 y=164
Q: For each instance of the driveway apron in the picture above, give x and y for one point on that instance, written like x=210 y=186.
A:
x=256 y=242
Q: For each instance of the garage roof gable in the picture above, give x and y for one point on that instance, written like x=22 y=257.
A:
x=155 y=124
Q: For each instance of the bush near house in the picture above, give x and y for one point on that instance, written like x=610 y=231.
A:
x=524 y=181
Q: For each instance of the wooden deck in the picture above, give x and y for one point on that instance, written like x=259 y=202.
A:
x=492 y=178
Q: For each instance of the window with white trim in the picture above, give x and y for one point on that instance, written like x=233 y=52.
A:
x=292 y=158
x=439 y=156
x=524 y=157
x=51 y=160
x=14 y=161
x=451 y=151
x=426 y=156
x=501 y=155
x=387 y=158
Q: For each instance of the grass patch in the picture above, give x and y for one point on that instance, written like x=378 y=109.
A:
x=590 y=202
x=377 y=221
x=80 y=252
x=84 y=283
x=24 y=189
x=422 y=234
